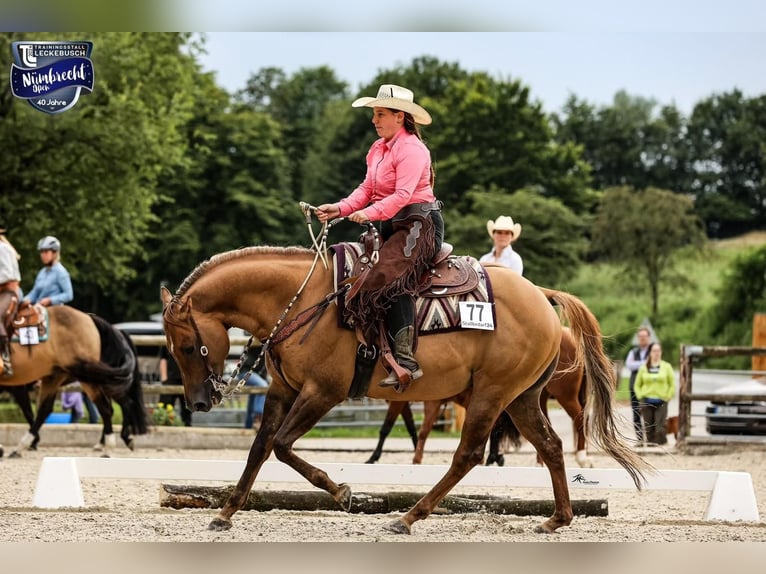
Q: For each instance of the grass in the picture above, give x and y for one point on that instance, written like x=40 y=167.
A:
x=621 y=305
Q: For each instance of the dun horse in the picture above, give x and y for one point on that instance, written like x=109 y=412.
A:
x=84 y=348
x=567 y=386
x=312 y=368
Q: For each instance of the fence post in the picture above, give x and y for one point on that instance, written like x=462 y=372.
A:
x=684 y=402
x=759 y=340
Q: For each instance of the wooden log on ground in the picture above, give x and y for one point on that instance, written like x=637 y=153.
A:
x=189 y=496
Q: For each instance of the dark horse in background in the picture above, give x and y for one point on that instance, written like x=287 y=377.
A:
x=85 y=348
x=312 y=368
x=567 y=386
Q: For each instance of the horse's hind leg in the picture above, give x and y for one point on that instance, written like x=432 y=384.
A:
x=430 y=413
x=409 y=424
x=105 y=409
x=536 y=428
x=394 y=409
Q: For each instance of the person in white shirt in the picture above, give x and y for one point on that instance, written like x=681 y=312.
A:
x=10 y=293
x=504 y=232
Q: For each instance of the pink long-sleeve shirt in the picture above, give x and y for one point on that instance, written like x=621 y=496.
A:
x=398 y=174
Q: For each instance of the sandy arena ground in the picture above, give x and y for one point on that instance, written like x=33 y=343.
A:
x=129 y=510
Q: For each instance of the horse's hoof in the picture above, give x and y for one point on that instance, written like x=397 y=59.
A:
x=541 y=529
x=15 y=454
x=219 y=524
x=32 y=446
x=344 y=497
x=105 y=455
x=398 y=527
x=131 y=445
x=370 y=461
x=501 y=460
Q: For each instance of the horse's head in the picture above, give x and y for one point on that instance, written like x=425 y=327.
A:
x=199 y=343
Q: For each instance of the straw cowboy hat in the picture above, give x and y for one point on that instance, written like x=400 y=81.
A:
x=504 y=223
x=396 y=98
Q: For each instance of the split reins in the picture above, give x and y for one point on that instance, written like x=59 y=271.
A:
x=279 y=332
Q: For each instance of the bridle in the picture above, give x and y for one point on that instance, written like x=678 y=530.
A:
x=235 y=382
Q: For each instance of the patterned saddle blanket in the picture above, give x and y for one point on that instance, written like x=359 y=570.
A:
x=457 y=278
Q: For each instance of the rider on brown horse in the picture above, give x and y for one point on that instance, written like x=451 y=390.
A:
x=398 y=192
x=9 y=297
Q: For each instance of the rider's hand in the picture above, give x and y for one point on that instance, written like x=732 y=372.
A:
x=358 y=217
x=327 y=211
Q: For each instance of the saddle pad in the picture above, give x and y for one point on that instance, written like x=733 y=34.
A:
x=42 y=326
x=433 y=314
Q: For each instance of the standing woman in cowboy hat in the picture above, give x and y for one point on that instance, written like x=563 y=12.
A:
x=503 y=232
x=53 y=286
x=398 y=192
x=10 y=277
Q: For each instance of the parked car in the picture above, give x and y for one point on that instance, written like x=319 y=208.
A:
x=738 y=417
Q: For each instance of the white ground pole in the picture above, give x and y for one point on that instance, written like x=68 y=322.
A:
x=732 y=497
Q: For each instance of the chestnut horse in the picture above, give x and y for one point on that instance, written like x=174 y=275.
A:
x=85 y=348
x=567 y=386
x=312 y=366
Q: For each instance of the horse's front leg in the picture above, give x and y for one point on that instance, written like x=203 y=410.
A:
x=46 y=398
x=279 y=400
x=308 y=409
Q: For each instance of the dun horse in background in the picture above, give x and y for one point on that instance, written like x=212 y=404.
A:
x=567 y=386
x=76 y=346
x=312 y=367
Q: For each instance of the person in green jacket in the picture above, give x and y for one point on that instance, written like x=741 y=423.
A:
x=655 y=386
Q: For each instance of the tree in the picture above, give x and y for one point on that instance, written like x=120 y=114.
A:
x=644 y=232
x=728 y=157
x=297 y=104
x=89 y=175
x=552 y=242
x=628 y=142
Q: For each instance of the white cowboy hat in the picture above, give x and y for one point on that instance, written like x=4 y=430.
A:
x=396 y=98
x=504 y=223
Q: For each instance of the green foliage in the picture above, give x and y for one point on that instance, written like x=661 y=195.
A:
x=164 y=415
x=644 y=232
x=740 y=295
x=547 y=260
x=726 y=134
x=620 y=307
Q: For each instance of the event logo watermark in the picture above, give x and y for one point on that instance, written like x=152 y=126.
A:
x=50 y=75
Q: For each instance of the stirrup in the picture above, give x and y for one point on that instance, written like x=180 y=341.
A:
x=391 y=380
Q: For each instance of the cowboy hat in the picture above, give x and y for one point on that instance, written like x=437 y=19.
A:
x=504 y=223
x=396 y=98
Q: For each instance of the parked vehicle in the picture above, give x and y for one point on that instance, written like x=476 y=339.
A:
x=738 y=417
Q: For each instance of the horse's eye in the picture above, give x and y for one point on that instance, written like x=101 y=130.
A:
x=188 y=350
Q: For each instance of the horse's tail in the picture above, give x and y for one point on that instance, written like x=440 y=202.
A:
x=507 y=430
x=116 y=364
x=600 y=414
x=117 y=373
x=134 y=405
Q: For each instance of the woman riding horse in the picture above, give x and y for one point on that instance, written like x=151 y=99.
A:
x=312 y=367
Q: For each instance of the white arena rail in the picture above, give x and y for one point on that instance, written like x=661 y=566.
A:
x=732 y=497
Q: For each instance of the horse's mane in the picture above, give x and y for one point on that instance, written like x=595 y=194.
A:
x=221 y=258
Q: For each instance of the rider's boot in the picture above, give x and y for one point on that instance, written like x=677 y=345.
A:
x=403 y=355
x=400 y=321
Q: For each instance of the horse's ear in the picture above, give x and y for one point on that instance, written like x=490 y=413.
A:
x=165 y=295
